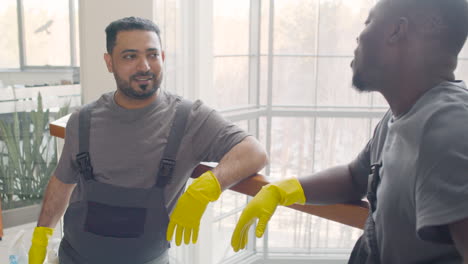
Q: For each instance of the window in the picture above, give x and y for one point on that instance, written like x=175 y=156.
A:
x=230 y=54
x=299 y=51
x=40 y=34
x=9 y=51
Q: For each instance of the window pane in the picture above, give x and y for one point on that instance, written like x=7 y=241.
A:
x=77 y=32
x=293 y=80
x=295 y=26
x=334 y=84
x=9 y=52
x=341 y=21
x=464 y=52
x=47 y=32
x=230 y=87
x=290 y=231
x=264 y=24
x=339 y=140
x=231 y=27
x=221 y=238
x=263 y=80
x=292 y=147
x=462 y=70
x=167 y=14
x=301 y=146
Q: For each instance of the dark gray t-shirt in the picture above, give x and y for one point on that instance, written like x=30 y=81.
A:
x=126 y=145
x=424 y=177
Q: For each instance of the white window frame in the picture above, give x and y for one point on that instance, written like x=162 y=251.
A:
x=23 y=67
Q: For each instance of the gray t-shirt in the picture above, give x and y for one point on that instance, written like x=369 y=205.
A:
x=424 y=177
x=126 y=145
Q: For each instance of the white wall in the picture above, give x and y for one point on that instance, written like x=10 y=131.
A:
x=94 y=18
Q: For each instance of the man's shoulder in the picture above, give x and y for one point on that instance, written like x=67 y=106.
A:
x=448 y=94
x=446 y=124
x=170 y=99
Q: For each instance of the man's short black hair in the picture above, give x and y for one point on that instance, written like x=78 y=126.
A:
x=453 y=23
x=128 y=24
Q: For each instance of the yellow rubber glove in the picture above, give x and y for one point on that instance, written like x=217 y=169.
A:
x=40 y=240
x=262 y=207
x=191 y=206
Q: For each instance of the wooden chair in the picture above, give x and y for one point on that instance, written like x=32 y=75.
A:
x=354 y=214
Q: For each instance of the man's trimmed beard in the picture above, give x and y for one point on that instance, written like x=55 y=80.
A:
x=125 y=87
x=361 y=84
x=358 y=82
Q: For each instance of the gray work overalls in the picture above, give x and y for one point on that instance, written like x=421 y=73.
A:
x=119 y=225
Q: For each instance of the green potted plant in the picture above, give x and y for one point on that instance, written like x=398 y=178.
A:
x=28 y=156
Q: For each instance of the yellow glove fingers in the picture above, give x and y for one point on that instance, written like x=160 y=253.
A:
x=179 y=232
x=245 y=234
x=261 y=226
x=241 y=232
x=37 y=254
x=170 y=231
x=187 y=234
x=263 y=206
x=236 y=237
x=195 y=235
x=191 y=206
x=245 y=237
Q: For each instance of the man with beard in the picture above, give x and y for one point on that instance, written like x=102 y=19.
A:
x=416 y=163
x=127 y=158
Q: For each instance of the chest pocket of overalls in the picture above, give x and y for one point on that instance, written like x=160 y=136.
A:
x=115 y=221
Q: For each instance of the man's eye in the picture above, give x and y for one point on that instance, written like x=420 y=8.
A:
x=154 y=55
x=129 y=56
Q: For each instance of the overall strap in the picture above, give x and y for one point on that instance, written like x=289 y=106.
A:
x=82 y=158
x=370 y=230
x=373 y=184
x=168 y=161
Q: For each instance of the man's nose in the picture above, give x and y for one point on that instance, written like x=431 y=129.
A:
x=143 y=65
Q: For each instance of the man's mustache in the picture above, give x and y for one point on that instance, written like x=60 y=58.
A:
x=140 y=75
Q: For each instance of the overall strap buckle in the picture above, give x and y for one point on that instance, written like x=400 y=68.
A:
x=84 y=163
x=166 y=167
x=374 y=182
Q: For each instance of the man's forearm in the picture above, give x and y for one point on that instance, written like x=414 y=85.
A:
x=55 y=202
x=243 y=160
x=331 y=186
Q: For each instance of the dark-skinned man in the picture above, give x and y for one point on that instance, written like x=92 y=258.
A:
x=415 y=167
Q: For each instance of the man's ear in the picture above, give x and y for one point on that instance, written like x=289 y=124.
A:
x=400 y=30
x=108 y=60
x=163 y=55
